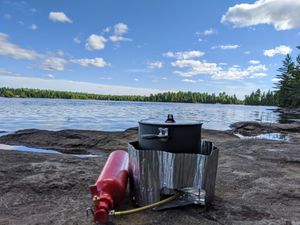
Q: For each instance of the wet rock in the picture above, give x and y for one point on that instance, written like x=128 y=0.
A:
x=288 y=110
x=254 y=128
x=71 y=141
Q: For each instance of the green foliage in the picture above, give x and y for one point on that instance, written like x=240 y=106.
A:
x=288 y=86
x=258 y=98
x=187 y=97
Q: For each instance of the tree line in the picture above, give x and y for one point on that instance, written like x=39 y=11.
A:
x=186 y=97
x=261 y=98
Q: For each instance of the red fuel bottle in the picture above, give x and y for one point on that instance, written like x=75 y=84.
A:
x=110 y=188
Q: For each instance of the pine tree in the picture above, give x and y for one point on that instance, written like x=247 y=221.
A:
x=285 y=80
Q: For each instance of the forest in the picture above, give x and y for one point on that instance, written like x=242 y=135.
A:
x=186 y=97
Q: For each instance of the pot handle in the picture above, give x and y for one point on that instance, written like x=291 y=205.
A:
x=163 y=133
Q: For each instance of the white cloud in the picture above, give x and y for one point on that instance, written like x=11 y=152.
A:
x=183 y=55
x=257 y=75
x=282 y=14
x=279 y=50
x=77 y=40
x=155 y=65
x=136 y=79
x=97 y=62
x=95 y=42
x=226 y=47
x=275 y=80
x=9 y=73
x=207 y=32
x=50 y=76
x=106 y=29
x=77 y=86
x=254 y=62
x=33 y=26
x=60 y=52
x=116 y=38
x=59 y=17
x=53 y=63
x=247 y=52
x=196 y=67
x=120 y=29
x=11 y=50
x=223 y=64
x=189 y=81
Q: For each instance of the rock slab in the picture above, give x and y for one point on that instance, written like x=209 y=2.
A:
x=258 y=182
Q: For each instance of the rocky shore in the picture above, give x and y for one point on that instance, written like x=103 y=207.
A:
x=258 y=181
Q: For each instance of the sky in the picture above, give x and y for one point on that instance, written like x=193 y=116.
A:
x=140 y=47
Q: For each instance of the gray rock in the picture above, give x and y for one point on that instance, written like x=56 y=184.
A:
x=257 y=182
x=254 y=128
x=71 y=141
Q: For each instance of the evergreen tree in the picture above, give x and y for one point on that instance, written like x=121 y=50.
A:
x=284 y=81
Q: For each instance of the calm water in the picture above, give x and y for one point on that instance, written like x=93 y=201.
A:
x=57 y=114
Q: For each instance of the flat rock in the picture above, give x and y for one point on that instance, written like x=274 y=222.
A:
x=71 y=141
x=85 y=141
x=255 y=128
x=257 y=183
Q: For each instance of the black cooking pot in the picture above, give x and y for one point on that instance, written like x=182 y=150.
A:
x=170 y=135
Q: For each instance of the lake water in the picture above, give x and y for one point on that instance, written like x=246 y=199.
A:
x=57 y=114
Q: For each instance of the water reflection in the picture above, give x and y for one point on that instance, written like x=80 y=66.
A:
x=39 y=150
x=288 y=117
x=268 y=136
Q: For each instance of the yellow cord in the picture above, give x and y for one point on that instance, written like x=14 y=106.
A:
x=126 y=212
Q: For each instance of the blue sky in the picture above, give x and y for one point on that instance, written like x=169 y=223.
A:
x=143 y=47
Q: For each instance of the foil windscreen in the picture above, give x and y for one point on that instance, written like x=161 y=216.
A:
x=154 y=173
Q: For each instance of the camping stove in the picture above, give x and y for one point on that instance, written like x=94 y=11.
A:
x=155 y=173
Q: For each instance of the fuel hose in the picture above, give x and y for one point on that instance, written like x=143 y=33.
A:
x=130 y=211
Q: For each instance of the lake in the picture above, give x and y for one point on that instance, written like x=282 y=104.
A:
x=58 y=114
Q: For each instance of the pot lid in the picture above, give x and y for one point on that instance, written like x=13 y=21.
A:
x=170 y=121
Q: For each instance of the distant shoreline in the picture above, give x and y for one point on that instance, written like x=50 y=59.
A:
x=170 y=97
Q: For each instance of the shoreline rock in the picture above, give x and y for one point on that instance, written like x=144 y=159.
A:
x=71 y=141
x=88 y=141
x=257 y=182
x=250 y=128
x=288 y=110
